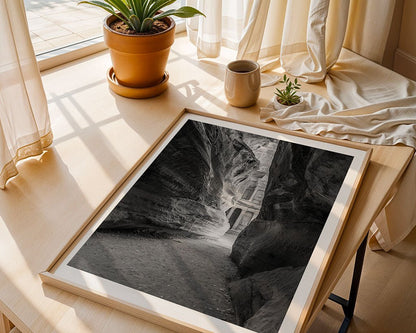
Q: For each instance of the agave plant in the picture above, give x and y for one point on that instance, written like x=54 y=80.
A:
x=140 y=14
x=288 y=95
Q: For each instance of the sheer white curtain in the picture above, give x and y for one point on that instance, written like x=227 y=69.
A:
x=339 y=41
x=305 y=36
x=24 y=119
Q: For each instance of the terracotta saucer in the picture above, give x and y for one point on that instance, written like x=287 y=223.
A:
x=130 y=92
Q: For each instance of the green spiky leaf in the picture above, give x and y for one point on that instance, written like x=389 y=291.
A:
x=120 y=6
x=146 y=24
x=183 y=12
x=140 y=14
x=104 y=6
x=288 y=96
x=159 y=4
x=135 y=22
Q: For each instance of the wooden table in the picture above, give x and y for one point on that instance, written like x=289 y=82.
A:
x=99 y=137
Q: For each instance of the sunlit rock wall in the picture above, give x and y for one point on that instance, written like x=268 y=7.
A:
x=303 y=184
x=260 y=301
x=192 y=182
x=272 y=251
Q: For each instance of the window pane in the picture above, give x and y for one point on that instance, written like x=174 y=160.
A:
x=57 y=23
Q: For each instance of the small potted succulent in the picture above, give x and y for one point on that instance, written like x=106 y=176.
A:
x=288 y=97
x=139 y=35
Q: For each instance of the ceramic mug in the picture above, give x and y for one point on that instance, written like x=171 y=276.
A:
x=242 y=83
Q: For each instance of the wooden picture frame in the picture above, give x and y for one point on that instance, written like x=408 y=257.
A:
x=182 y=318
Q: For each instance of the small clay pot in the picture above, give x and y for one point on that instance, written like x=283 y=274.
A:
x=139 y=60
x=294 y=108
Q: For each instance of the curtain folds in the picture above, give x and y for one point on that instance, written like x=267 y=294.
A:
x=24 y=120
x=304 y=37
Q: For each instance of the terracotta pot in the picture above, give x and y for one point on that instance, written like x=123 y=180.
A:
x=139 y=60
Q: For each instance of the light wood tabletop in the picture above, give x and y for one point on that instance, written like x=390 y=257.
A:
x=99 y=138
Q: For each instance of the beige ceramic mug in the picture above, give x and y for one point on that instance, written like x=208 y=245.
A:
x=242 y=83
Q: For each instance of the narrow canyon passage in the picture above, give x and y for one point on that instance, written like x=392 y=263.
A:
x=187 y=271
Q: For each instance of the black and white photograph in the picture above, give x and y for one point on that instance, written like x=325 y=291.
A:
x=222 y=221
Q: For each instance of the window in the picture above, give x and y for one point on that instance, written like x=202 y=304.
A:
x=248 y=192
x=55 y=24
x=234 y=216
x=62 y=26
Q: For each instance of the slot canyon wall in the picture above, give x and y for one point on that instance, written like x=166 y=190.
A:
x=272 y=251
x=192 y=182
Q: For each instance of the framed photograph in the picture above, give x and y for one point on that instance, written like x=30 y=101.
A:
x=224 y=227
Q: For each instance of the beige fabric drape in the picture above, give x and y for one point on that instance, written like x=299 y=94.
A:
x=24 y=119
x=366 y=103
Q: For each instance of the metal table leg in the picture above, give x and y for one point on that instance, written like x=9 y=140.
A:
x=348 y=305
